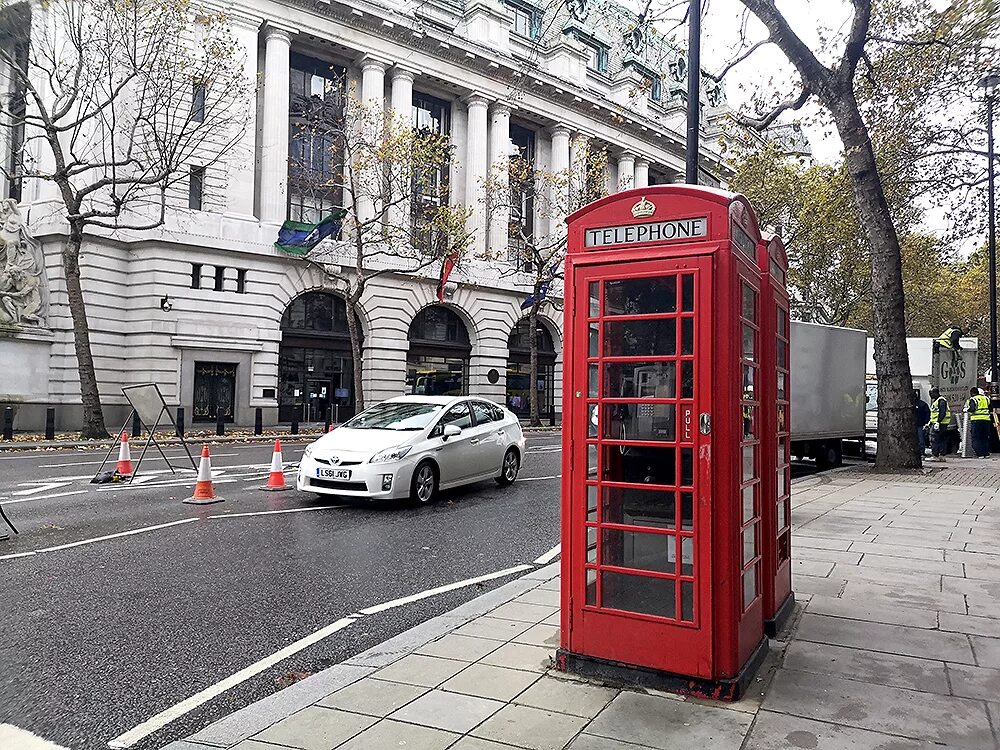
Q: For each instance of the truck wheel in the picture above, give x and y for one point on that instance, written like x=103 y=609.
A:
x=828 y=456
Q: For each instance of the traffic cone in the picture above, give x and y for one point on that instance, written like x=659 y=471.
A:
x=124 y=457
x=276 y=480
x=204 y=494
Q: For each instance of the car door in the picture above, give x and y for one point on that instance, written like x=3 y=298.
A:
x=492 y=440
x=456 y=456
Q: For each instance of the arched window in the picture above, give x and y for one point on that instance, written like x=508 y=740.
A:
x=437 y=363
x=315 y=366
x=519 y=369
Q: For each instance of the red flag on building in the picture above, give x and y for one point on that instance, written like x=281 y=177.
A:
x=446 y=268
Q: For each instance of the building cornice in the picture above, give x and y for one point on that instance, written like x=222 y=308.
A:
x=419 y=37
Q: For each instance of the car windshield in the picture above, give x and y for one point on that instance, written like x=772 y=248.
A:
x=400 y=416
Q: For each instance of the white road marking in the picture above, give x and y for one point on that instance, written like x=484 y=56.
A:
x=163 y=718
x=42 y=487
x=143 y=530
x=538 y=479
x=11 y=557
x=47 y=497
x=18 y=739
x=147 y=458
x=549 y=556
x=443 y=589
x=273 y=512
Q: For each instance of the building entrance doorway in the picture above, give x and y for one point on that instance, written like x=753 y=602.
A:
x=214 y=389
x=315 y=367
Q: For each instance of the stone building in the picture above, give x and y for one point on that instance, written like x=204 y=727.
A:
x=208 y=309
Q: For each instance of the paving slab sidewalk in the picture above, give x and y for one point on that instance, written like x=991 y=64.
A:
x=894 y=645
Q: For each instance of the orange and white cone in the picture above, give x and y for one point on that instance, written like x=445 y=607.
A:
x=276 y=479
x=124 y=457
x=204 y=493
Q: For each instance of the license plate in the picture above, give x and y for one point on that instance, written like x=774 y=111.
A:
x=343 y=474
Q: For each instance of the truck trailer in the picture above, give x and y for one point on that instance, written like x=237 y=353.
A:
x=827 y=391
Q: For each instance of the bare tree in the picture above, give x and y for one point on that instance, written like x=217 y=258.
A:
x=552 y=196
x=396 y=214
x=879 y=41
x=112 y=103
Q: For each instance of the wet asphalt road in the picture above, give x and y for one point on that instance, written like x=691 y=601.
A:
x=97 y=638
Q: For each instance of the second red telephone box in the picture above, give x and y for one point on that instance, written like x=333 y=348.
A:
x=664 y=444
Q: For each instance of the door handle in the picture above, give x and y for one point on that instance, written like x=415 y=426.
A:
x=474 y=441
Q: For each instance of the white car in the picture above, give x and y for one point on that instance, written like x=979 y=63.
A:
x=414 y=446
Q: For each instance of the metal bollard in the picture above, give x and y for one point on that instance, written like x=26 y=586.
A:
x=180 y=422
x=295 y=424
x=326 y=419
x=258 y=421
x=136 y=425
x=50 y=423
x=8 y=423
x=220 y=421
x=552 y=417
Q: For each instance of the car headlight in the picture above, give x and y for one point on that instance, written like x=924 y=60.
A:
x=308 y=451
x=392 y=454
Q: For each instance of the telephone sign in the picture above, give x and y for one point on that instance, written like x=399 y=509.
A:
x=666 y=448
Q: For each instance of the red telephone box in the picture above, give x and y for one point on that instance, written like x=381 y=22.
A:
x=776 y=508
x=664 y=445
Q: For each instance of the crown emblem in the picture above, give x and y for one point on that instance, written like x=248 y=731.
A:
x=643 y=208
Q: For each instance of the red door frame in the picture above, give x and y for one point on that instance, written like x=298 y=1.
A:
x=617 y=634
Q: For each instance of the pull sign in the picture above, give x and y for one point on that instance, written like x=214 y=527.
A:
x=705 y=423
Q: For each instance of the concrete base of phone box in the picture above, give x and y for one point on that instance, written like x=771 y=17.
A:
x=630 y=675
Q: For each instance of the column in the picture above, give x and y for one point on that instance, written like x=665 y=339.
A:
x=401 y=95
x=401 y=102
x=239 y=190
x=373 y=102
x=373 y=84
x=626 y=171
x=579 y=150
x=641 y=173
x=475 y=169
x=274 y=129
x=559 y=200
x=499 y=180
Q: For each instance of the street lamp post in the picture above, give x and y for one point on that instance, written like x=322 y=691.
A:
x=990 y=83
x=694 y=92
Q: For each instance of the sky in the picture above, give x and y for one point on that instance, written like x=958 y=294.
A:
x=767 y=70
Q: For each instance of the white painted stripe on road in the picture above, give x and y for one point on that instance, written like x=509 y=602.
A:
x=538 y=479
x=549 y=556
x=143 y=530
x=163 y=718
x=443 y=589
x=47 y=497
x=273 y=512
x=18 y=739
x=41 y=487
x=147 y=458
x=19 y=554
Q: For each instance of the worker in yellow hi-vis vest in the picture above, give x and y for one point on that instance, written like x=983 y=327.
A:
x=980 y=421
x=940 y=419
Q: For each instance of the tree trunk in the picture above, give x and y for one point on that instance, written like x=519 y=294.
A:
x=534 y=415
x=352 y=328
x=93 y=416
x=897 y=440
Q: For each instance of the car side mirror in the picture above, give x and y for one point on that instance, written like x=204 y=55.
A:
x=451 y=431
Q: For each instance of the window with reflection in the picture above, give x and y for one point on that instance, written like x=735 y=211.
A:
x=437 y=361
x=315 y=160
x=432 y=116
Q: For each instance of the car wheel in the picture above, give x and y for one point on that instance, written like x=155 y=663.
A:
x=424 y=485
x=508 y=470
